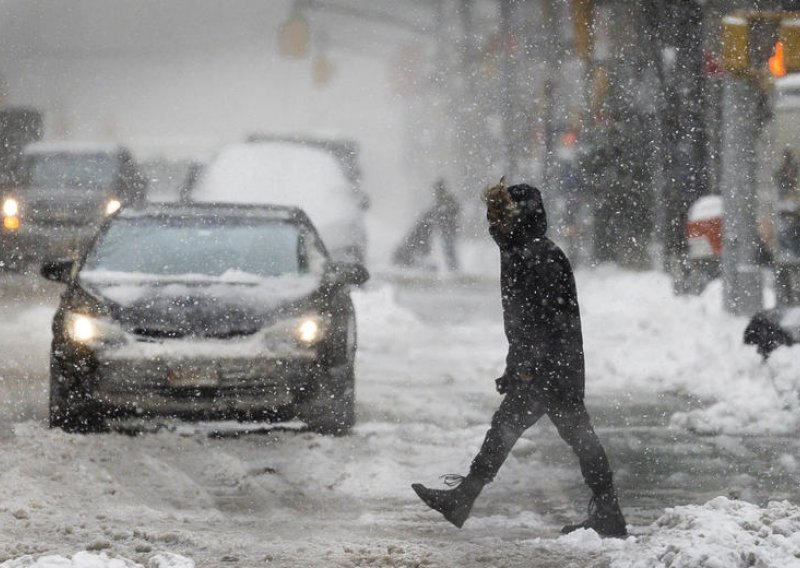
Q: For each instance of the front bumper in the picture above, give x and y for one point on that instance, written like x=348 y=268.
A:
x=212 y=379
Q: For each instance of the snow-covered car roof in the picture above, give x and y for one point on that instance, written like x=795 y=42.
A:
x=283 y=173
x=706 y=207
x=222 y=210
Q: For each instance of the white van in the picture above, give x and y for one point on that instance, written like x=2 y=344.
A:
x=290 y=173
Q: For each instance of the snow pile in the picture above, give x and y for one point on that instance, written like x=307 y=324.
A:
x=720 y=533
x=91 y=560
x=763 y=401
x=638 y=336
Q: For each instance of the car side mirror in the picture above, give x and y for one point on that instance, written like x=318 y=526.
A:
x=57 y=270
x=346 y=273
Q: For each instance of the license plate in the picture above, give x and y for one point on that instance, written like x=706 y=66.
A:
x=182 y=377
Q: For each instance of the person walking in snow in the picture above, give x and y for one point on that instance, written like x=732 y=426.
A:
x=442 y=216
x=447 y=209
x=544 y=372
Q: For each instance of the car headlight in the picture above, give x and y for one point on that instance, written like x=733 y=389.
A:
x=309 y=330
x=112 y=206
x=10 y=207
x=11 y=214
x=89 y=330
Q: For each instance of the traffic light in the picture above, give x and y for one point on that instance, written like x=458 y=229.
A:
x=790 y=38
x=777 y=63
x=756 y=42
x=295 y=37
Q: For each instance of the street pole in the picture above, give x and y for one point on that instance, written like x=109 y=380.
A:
x=551 y=58
x=740 y=271
x=507 y=86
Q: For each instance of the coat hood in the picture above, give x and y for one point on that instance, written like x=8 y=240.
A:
x=528 y=221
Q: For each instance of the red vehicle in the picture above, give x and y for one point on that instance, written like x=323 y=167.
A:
x=704 y=243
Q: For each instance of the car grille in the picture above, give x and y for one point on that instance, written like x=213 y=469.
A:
x=58 y=214
x=158 y=333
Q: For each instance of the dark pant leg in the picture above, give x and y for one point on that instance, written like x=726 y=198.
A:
x=575 y=427
x=518 y=412
x=449 y=243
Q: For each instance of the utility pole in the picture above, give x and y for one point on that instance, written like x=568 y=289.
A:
x=748 y=40
x=741 y=273
x=551 y=58
x=507 y=87
x=682 y=133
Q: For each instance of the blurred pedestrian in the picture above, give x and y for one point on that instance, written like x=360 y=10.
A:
x=544 y=372
x=442 y=218
x=447 y=210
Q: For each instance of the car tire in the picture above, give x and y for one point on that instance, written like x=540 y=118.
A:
x=70 y=410
x=338 y=414
x=332 y=411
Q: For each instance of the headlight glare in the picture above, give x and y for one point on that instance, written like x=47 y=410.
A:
x=309 y=330
x=90 y=331
x=10 y=207
x=82 y=329
x=11 y=223
x=112 y=206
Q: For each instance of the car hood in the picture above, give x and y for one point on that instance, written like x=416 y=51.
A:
x=217 y=308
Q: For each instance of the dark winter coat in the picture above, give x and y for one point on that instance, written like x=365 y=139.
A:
x=540 y=302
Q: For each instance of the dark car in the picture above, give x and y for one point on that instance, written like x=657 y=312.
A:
x=203 y=312
x=67 y=190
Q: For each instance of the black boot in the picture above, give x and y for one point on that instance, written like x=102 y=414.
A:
x=455 y=504
x=605 y=516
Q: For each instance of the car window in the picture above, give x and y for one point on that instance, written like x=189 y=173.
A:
x=202 y=246
x=85 y=171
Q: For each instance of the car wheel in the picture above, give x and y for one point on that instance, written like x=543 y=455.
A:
x=333 y=410
x=70 y=410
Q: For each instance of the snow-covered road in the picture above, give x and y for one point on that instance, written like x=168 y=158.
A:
x=701 y=434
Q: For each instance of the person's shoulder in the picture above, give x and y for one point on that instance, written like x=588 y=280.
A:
x=547 y=244
x=543 y=249
x=557 y=256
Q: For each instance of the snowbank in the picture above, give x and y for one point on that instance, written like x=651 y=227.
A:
x=719 y=534
x=639 y=336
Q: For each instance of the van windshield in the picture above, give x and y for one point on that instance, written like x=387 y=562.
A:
x=84 y=171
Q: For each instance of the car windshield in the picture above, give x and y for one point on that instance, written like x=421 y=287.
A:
x=203 y=247
x=89 y=171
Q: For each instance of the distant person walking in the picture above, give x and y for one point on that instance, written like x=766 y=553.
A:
x=441 y=217
x=447 y=210
x=544 y=367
